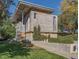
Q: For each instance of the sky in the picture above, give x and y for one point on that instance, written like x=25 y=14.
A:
x=54 y=4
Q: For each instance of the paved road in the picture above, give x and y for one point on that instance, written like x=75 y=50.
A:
x=60 y=49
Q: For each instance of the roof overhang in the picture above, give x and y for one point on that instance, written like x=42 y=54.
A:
x=27 y=6
x=35 y=7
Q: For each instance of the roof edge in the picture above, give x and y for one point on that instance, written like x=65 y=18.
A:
x=36 y=5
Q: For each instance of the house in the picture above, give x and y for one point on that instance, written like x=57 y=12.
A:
x=28 y=15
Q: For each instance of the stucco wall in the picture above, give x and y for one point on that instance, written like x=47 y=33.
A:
x=44 y=20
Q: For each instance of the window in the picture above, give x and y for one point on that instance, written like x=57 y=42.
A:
x=54 y=23
x=34 y=15
x=74 y=48
x=54 y=17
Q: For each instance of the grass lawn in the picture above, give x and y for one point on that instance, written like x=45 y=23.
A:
x=67 y=39
x=12 y=51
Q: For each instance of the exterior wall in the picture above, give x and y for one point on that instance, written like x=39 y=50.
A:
x=29 y=36
x=51 y=35
x=20 y=27
x=72 y=48
x=45 y=21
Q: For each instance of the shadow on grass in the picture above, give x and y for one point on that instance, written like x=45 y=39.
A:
x=13 y=50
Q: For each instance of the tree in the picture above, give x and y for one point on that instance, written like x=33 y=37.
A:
x=68 y=18
x=39 y=32
x=4 y=9
x=7 y=30
x=35 y=33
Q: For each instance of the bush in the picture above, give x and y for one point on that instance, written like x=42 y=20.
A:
x=62 y=39
x=75 y=36
x=49 y=37
x=37 y=34
x=66 y=39
x=53 y=40
x=7 y=30
x=43 y=37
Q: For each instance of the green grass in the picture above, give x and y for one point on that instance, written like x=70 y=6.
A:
x=12 y=51
x=67 y=39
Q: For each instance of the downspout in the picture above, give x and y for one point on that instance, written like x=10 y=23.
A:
x=25 y=30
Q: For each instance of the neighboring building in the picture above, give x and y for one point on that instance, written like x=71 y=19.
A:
x=28 y=15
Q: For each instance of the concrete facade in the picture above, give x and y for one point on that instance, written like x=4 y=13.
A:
x=46 y=22
x=36 y=16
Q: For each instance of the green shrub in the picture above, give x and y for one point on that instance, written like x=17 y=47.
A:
x=53 y=40
x=66 y=39
x=49 y=37
x=62 y=39
x=43 y=37
x=7 y=30
x=75 y=36
x=37 y=34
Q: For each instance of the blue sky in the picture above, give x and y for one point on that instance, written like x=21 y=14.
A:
x=54 y=4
